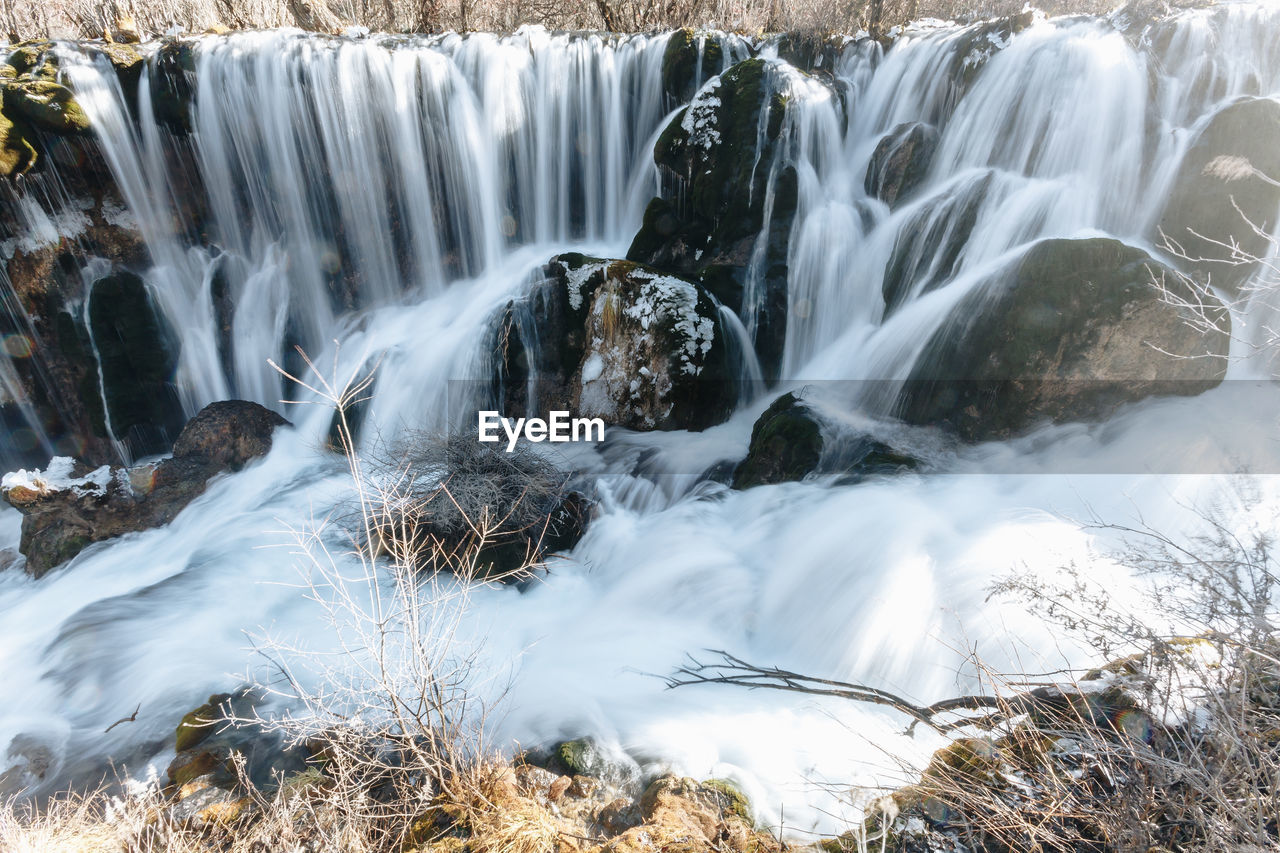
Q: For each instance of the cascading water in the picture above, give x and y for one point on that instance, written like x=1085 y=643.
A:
x=381 y=199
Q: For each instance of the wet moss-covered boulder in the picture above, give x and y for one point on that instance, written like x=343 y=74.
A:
x=723 y=191
x=1070 y=331
x=691 y=58
x=1233 y=163
x=615 y=340
x=786 y=444
x=17 y=154
x=137 y=357
x=173 y=85
x=46 y=105
x=901 y=161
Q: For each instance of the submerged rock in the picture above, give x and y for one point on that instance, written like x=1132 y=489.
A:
x=65 y=508
x=1070 y=331
x=901 y=161
x=1234 y=163
x=721 y=188
x=615 y=340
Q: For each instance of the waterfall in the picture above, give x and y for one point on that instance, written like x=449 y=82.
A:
x=379 y=200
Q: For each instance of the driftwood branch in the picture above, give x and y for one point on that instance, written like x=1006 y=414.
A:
x=733 y=670
x=132 y=718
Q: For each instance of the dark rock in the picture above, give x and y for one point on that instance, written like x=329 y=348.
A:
x=136 y=354
x=790 y=441
x=1228 y=167
x=927 y=251
x=901 y=161
x=211 y=737
x=1070 y=331
x=173 y=86
x=690 y=59
x=619 y=341
x=59 y=522
x=228 y=434
x=723 y=186
x=786 y=444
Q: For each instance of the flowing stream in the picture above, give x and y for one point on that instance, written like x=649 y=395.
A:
x=453 y=168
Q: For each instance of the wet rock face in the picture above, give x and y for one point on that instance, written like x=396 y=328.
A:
x=720 y=186
x=690 y=59
x=67 y=507
x=618 y=341
x=790 y=441
x=136 y=355
x=786 y=444
x=1232 y=164
x=901 y=162
x=1072 y=330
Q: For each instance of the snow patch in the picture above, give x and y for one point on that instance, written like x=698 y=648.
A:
x=58 y=477
x=700 y=119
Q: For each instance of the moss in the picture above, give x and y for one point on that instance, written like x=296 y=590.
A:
x=737 y=802
x=200 y=723
x=17 y=154
x=681 y=70
x=579 y=757
x=970 y=760
x=47 y=105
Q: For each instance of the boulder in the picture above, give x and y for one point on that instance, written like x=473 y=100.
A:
x=615 y=340
x=17 y=154
x=212 y=736
x=136 y=353
x=722 y=187
x=1069 y=331
x=66 y=507
x=786 y=444
x=901 y=161
x=928 y=248
x=690 y=59
x=790 y=441
x=1234 y=163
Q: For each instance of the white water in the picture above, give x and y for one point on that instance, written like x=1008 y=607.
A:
x=299 y=139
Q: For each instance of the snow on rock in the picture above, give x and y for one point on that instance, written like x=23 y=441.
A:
x=700 y=119
x=59 y=476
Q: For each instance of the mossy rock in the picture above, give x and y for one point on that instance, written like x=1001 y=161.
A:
x=127 y=61
x=28 y=57
x=966 y=760
x=1232 y=164
x=786 y=444
x=47 y=105
x=200 y=723
x=17 y=154
x=718 y=166
x=1070 y=331
x=683 y=70
x=580 y=757
x=737 y=803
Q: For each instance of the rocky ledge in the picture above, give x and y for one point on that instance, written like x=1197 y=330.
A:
x=66 y=507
